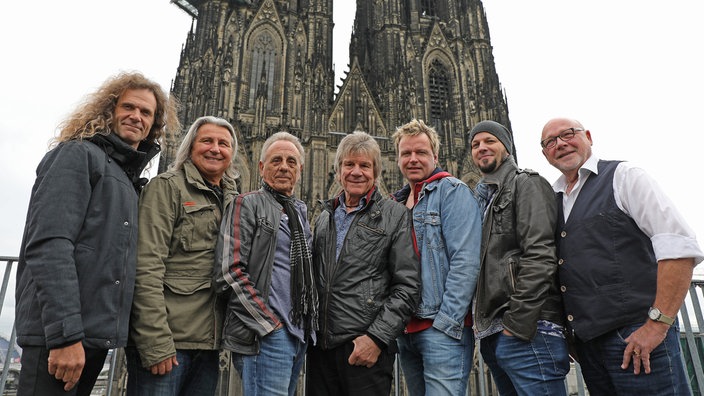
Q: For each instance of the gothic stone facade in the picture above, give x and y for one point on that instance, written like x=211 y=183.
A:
x=267 y=66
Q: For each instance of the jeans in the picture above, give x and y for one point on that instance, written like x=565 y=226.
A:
x=527 y=368
x=601 y=360
x=434 y=363
x=275 y=370
x=196 y=375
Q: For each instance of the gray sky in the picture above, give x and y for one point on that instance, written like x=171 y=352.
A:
x=630 y=71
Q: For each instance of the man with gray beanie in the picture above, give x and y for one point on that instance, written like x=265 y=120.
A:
x=517 y=308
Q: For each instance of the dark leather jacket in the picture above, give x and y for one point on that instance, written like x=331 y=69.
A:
x=244 y=259
x=518 y=277
x=374 y=287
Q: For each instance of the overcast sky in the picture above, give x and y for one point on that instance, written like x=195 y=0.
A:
x=631 y=71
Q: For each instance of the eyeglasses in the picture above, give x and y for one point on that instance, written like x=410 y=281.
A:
x=565 y=135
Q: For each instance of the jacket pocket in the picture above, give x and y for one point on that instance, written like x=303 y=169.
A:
x=502 y=215
x=191 y=307
x=366 y=241
x=199 y=227
x=234 y=329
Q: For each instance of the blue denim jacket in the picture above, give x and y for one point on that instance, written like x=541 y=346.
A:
x=447 y=224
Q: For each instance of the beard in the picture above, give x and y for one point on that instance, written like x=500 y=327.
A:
x=489 y=167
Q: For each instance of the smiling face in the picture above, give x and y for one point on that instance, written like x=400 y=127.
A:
x=567 y=156
x=134 y=115
x=356 y=177
x=488 y=153
x=281 y=167
x=416 y=159
x=212 y=152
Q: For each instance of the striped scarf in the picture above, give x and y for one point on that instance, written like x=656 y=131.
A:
x=304 y=296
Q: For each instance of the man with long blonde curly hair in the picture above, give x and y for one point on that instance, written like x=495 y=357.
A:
x=76 y=271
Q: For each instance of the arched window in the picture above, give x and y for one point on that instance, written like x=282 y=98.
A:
x=438 y=91
x=263 y=58
x=427 y=8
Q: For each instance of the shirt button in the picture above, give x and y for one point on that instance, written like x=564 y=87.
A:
x=126 y=223
x=117 y=282
x=570 y=318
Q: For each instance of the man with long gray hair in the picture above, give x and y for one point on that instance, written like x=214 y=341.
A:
x=176 y=318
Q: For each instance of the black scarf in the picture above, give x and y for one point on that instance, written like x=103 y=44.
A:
x=130 y=160
x=304 y=296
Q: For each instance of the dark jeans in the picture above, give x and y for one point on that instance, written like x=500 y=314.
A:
x=196 y=375
x=601 y=360
x=527 y=368
x=35 y=379
x=329 y=373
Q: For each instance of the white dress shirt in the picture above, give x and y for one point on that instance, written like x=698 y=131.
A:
x=641 y=198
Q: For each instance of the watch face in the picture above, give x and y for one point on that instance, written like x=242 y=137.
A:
x=654 y=313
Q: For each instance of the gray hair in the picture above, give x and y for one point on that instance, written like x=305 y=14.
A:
x=184 y=150
x=358 y=142
x=286 y=137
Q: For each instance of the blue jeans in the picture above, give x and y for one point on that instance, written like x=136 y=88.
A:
x=434 y=363
x=529 y=368
x=601 y=360
x=275 y=370
x=196 y=375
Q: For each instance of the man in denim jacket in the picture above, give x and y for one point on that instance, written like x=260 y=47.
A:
x=438 y=345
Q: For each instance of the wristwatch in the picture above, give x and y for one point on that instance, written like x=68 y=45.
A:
x=656 y=315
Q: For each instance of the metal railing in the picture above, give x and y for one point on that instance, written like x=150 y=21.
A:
x=112 y=384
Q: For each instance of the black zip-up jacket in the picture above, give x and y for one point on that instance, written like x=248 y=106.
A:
x=76 y=270
x=374 y=287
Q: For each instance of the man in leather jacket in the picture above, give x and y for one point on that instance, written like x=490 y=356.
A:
x=517 y=312
x=264 y=265
x=367 y=274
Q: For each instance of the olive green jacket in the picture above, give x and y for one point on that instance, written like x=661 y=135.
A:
x=174 y=306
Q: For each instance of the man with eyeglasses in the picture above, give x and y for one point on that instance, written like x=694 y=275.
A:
x=626 y=260
x=518 y=314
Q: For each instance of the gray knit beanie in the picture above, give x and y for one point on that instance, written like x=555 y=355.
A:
x=495 y=129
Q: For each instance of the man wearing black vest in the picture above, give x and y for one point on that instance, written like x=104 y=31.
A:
x=626 y=258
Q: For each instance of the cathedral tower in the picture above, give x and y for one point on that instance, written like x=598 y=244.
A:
x=266 y=66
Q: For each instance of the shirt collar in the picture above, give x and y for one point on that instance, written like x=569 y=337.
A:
x=591 y=165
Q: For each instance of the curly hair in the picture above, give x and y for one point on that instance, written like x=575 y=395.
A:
x=95 y=114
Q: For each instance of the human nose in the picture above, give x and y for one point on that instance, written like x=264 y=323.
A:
x=356 y=170
x=135 y=115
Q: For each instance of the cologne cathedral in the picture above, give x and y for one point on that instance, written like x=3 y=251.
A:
x=267 y=66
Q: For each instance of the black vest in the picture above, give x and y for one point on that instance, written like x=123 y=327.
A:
x=608 y=270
